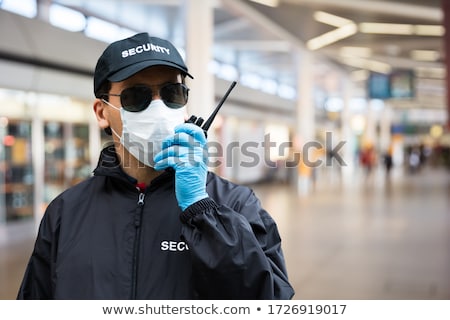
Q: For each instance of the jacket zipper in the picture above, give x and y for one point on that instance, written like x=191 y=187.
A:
x=137 y=226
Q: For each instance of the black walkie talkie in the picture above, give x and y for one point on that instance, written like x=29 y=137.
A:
x=199 y=120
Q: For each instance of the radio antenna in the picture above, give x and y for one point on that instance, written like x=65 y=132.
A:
x=209 y=121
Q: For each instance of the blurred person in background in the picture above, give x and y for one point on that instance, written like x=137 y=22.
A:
x=368 y=159
x=152 y=222
x=388 y=161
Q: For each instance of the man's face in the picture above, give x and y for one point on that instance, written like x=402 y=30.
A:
x=153 y=77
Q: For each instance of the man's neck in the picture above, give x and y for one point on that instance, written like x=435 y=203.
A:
x=136 y=169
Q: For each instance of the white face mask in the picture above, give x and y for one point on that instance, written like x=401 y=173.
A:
x=144 y=131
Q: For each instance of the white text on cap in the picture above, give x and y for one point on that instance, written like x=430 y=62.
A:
x=143 y=48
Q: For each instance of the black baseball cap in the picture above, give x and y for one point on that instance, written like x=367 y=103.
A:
x=124 y=58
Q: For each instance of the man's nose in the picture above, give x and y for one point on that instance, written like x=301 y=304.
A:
x=156 y=95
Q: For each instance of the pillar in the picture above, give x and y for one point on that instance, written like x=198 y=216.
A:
x=199 y=44
x=385 y=127
x=305 y=118
x=370 y=132
x=37 y=156
x=446 y=10
x=346 y=132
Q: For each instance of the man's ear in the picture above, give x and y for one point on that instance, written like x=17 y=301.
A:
x=100 y=113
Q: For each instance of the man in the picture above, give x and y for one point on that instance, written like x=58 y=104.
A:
x=152 y=222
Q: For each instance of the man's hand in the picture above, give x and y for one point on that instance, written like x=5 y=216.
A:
x=186 y=152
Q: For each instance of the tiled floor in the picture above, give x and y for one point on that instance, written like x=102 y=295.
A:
x=350 y=238
x=357 y=239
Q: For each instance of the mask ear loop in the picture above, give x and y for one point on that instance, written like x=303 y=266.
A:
x=108 y=130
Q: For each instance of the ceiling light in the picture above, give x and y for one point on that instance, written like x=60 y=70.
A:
x=26 y=8
x=269 y=86
x=425 y=55
x=287 y=92
x=332 y=36
x=269 y=3
x=331 y=19
x=429 y=30
x=402 y=29
x=228 y=72
x=251 y=80
x=66 y=18
x=386 y=28
x=101 y=30
x=334 y=104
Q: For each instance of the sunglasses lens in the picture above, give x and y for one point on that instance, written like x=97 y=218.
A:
x=136 y=99
x=174 y=95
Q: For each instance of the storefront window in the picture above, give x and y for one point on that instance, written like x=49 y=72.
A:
x=66 y=156
x=16 y=171
x=82 y=165
x=44 y=149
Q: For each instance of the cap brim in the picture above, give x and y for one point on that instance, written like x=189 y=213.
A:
x=129 y=71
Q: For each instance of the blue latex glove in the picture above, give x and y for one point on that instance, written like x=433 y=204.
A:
x=186 y=152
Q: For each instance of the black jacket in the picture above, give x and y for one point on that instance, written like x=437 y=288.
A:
x=104 y=239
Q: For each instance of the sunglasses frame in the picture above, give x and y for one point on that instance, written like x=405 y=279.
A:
x=148 y=98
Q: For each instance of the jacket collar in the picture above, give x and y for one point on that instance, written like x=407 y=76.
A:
x=109 y=165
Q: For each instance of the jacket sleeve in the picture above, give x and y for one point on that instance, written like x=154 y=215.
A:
x=37 y=281
x=236 y=255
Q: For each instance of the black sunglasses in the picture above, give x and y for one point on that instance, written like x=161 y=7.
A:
x=137 y=98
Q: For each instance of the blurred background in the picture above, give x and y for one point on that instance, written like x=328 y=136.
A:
x=339 y=123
